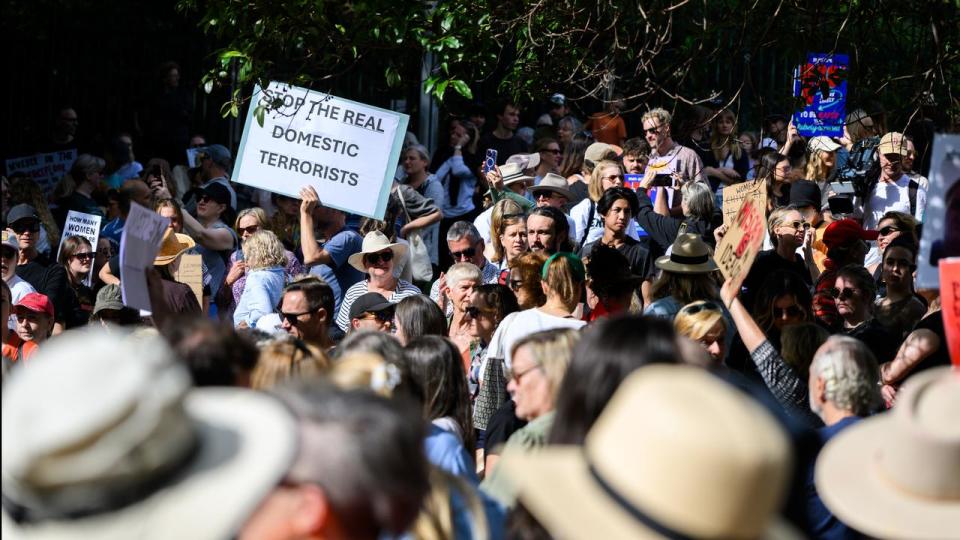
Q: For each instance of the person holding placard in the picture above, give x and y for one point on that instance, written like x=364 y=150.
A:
x=788 y=231
x=76 y=256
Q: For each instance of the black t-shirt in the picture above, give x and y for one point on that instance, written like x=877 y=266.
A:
x=766 y=263
x=504 y=147
x=503 y=424
x=637 y=254
x=882 y=342
x=50 y=279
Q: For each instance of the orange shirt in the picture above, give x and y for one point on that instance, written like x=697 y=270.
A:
x=15 y=348
x=607 y=129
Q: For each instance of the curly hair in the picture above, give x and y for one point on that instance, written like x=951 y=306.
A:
x=264 y=250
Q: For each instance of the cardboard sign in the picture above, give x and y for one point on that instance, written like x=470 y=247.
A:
x=346 y=150
x=739 y=246
x=950 y=305
x=733 y=197
x=190 y=272
x=45 y=169
x=139 y=244
x=820 y=86
x=85 y=225
x=941 y=217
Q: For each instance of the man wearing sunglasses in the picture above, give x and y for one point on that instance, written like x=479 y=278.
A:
x=306 y=311
x=666 y=156
x=10 y=251
x=215 y=161
x=43 y=274
x=371 y=312
x=465 y=244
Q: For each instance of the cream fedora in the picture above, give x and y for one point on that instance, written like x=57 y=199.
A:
x=555 y=183
x=676 y=450
x=373 y=242
x=688 y=255
x=897 y=475
x=513 y=173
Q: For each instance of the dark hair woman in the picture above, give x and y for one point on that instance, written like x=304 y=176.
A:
x=76 y=257
x=434 y=364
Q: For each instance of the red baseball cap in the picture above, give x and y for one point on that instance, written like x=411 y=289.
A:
x=35 y=302
x=845 y=231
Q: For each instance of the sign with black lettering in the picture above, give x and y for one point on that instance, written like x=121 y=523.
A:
x=741 y=243
x=85 y=226
x=346 y=150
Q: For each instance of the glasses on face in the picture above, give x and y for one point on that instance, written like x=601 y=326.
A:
x=790 y=311
x=515 y=284
x=294 y=318
x=547 y=195
x=248 y=230
x=374 y=259
x=84 y=257
x=385 y=316
x=474 y=312
x=693 y=310
x=29 y=226
x=651 y=131
x=518 y=376
x=889 y=229
x=797 y=225
x=205 y=199
x=893 y=158
x=843 y=294
x=468 y=253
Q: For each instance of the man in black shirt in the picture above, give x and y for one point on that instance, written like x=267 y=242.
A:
x=46 y=276
x=504 y=139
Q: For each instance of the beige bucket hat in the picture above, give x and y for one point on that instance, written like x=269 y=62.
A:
x=688 y=255
x=117 y=445
x=554 y=183
x=373 y=242
x=897 y=475
x=677 y=451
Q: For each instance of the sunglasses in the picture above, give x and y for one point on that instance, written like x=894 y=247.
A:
x=294 y=318
x=251 y=229
x=797 y=225
x=843 y=294
x=791 y=311
x=709 y=306
x=515 y=284
x=474 y=312
x=83 y=257
x=205 y=199
x=888 y=230
x=385 y=316
x=651 y=131
x=374 y=259
x=468 y=253
x=31 y=226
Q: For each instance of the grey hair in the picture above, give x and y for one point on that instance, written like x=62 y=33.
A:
x=420 y=149
x=463 y=229
x=699 y=199
x=463 y=271
x=87 y=164
x=850 y=373
x=364 y=451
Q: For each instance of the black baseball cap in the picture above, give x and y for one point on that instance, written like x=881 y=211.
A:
x=217 y=192
x=805 y=193
x=22 y=211
x=369 y=303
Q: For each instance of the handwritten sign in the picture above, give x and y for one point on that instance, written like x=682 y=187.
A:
x=45 y=169
x=950 y=304
x=820 y=86
x=190 y=272
x=941 y=218
x=346 y=150
x=733 y=197
x=139 y=245
x=83 y=225
x=739 y=246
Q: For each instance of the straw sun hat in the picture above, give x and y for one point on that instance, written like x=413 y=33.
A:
x=172 y=246
x=373 y=242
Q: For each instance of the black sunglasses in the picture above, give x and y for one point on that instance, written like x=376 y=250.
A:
x=374 y=259
x=22 y=227
x=791 y=311
x=468 y=253
x=84 y=256
x=383 y=316
x=294 y=318
x=474 y=312
x=709 y=306
x=842 y=294
x=888 y=229
x=651 y=131
x=251 y=229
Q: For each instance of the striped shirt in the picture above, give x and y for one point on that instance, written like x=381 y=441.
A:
x=404 y=289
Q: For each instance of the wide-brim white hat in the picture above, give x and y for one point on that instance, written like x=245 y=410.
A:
x=897 y=474
x=373 y=242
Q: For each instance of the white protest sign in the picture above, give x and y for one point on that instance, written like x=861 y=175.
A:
x=139 y=245
x=192 y=161
x=45 y=169
x=83 y=225
x=346 y=150
x=941 y=217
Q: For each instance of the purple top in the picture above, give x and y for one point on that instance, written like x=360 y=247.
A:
x=293 y=268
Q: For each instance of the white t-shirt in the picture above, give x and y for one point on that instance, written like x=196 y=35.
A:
x=517 y=326
x=890 y=197
x=581 y=213
x=482 y=223
x=18 y=289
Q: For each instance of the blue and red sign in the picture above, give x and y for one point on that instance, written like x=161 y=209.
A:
x=820 y=86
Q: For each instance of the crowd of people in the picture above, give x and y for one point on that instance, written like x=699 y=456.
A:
x=541 y=348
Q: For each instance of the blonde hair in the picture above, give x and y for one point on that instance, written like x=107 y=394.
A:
x=264 y=250
x=660 y=115
x=365 y=370
x=562 y=280
x=595 y=188
x=720 y=142
x=816 y=170
x=776 y=218
x=256 y=212
x=505 y=213
x=695 y=323
x=551 y=350
x=286 y=359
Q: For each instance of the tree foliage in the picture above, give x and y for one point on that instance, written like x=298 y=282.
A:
x=902 y=52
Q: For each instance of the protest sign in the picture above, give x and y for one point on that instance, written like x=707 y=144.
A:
x=45 y=169
x=139 y=245
x=741 y=243
x=941 y=218
x=820 y=86
x=950 y=304
x=192 y=160
x=86 y=226
x=346 y=150
x=190 y=272
x=733 y=197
